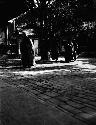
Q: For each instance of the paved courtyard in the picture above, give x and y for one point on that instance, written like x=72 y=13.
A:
x=49 y=94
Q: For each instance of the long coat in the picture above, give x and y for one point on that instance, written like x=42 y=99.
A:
x=27 y=54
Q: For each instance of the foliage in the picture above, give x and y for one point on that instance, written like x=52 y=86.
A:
x=56 y=19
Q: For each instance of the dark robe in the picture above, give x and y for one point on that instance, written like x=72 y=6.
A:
x=27 y=53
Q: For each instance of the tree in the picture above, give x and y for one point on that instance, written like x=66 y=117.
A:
x=56 y=20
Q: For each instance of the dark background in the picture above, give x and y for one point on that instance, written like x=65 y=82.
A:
x=10 y=9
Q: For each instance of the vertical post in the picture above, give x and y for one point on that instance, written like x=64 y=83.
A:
x=34 y=52
x=33 y=47
x=7 y=31
x=14 y=25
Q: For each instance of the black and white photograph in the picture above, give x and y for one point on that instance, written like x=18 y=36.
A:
x=47 y=62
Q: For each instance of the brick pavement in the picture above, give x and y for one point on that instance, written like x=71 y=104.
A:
x=20 y=107
x=77 y=100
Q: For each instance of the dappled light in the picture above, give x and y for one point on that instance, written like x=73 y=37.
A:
x=86 y=66
x=55 y=71
x=80 y=66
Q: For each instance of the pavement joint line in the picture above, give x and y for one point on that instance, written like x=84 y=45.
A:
x=86 y=98
x=62 y=109
x=81 y=119
x=50 y=103
x=86 y=104
x=73 y=115
x=54 y=96
x=93 y=107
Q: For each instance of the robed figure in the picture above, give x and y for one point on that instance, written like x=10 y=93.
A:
x=27 y=54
